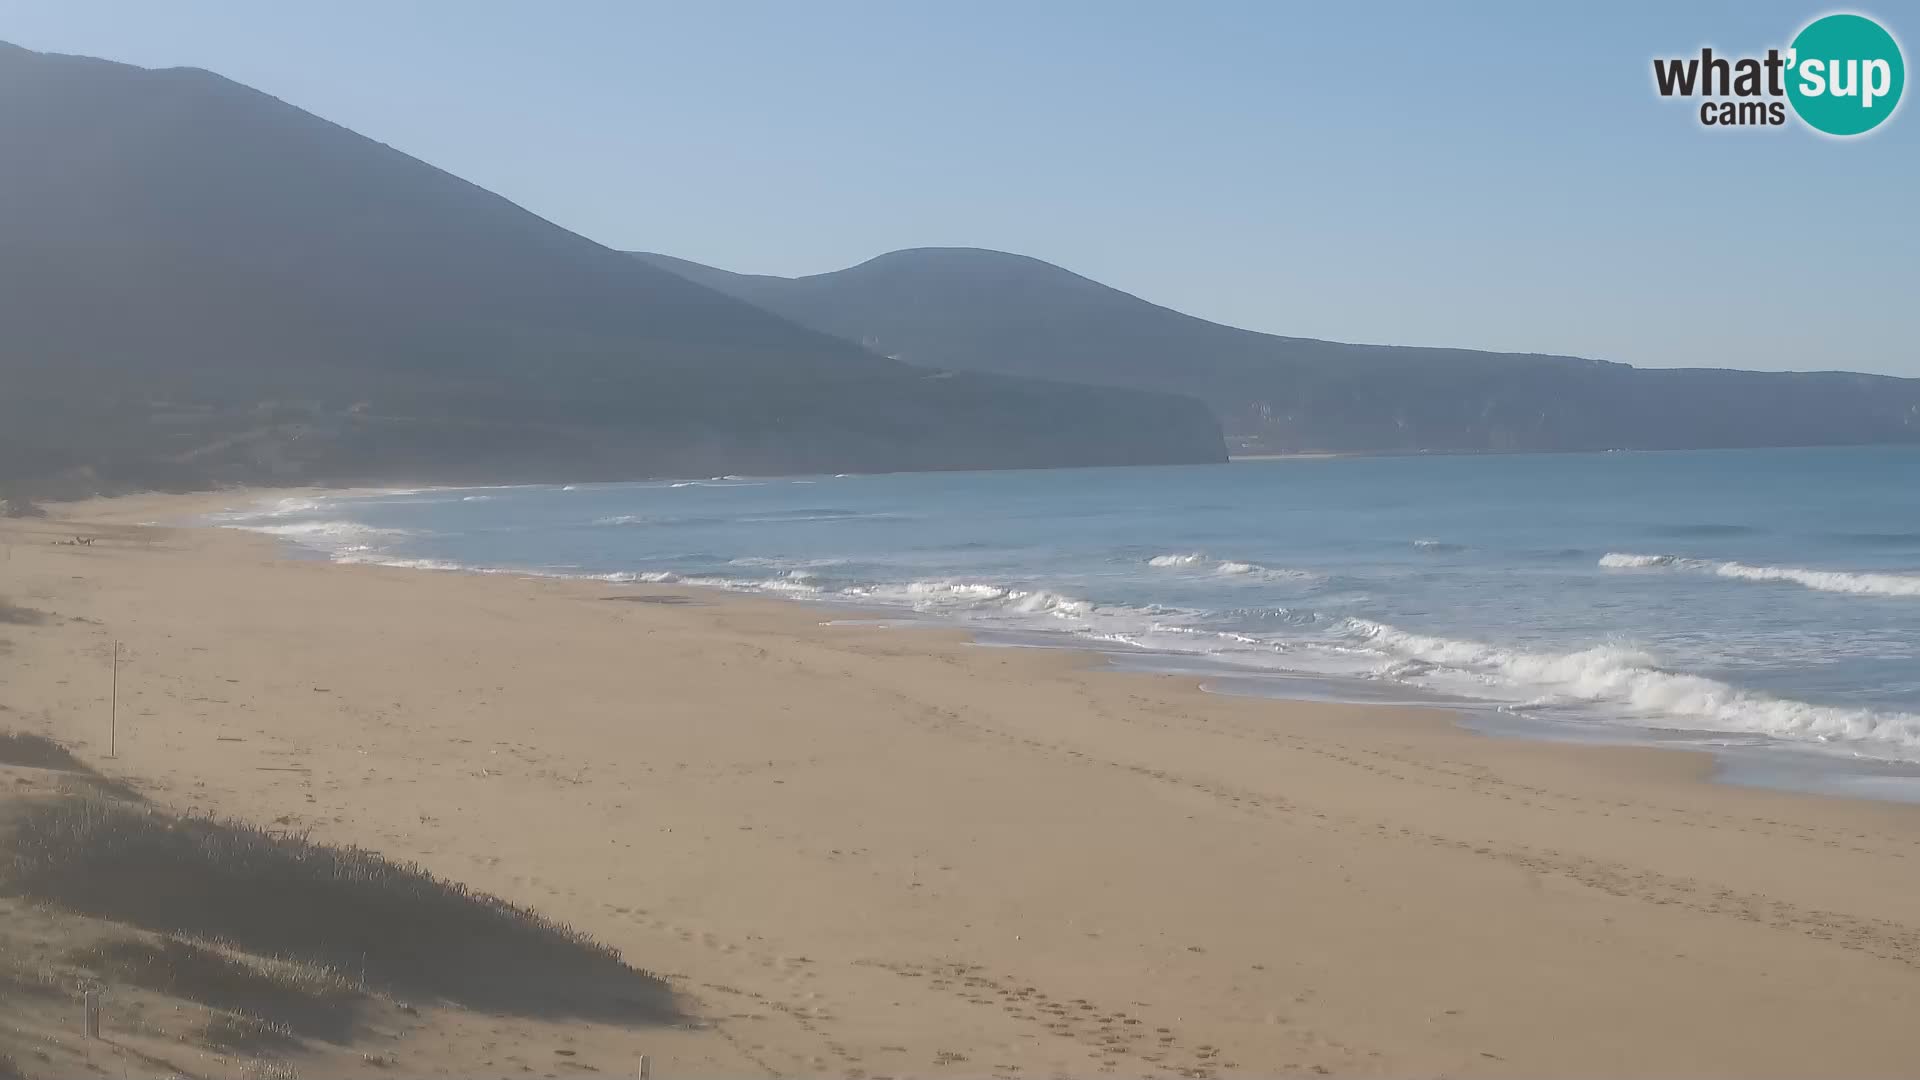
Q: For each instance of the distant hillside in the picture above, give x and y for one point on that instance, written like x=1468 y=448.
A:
x=199 y=282
x=989 y=311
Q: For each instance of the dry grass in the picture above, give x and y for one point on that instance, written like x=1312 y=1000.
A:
x=393 y=925
x=278 y=997
x=245 y=1033
x=26 y=749
x=27 y=977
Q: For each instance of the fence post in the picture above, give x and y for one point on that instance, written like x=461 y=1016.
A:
x=113 y=708
x=90 y=1014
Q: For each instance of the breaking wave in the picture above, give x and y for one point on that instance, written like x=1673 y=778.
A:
x=1827 y=580
x=1264 y=573
x=957 y=597
x=1856 y=583
x=1630 y=678
x=1229 y=567
x=1626 y=560
x=1184 y=559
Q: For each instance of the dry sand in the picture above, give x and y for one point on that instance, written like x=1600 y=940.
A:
x=882 y=852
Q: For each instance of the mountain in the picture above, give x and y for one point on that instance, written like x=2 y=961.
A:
x=989 y=311
x=199 y=282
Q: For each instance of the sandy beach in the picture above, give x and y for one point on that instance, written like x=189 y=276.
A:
x=864 y=851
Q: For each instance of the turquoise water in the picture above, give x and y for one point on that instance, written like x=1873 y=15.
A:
x=1759 y=599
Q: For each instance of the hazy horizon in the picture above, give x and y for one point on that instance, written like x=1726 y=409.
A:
x=1550 y=202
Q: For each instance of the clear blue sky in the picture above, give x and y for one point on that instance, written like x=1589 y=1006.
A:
x=1486 y=175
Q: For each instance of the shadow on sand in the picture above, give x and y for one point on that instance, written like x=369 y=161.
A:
x=384 y=925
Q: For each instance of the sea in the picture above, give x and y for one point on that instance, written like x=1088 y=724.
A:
x=1761 y=604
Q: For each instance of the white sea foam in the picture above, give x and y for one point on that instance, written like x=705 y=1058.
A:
x=1626 y=560
x=326 y=535
x=298 y=520
x=376 y=559
x=1856 y=583
x=1839 y=581
x=977 y=599
x=1228 y=567
x=1264 y=573
x=1632 y=679
x=269 y=510
x=1189 y=558
x=785 y=585
x=284 y=507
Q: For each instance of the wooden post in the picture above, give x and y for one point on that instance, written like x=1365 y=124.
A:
x=113 y=708
x=646 y=1068
x=90 y=1014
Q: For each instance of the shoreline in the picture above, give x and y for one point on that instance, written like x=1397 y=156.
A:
x=858 y=850
x=1769 y=763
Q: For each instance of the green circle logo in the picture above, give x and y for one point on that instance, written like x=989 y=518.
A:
x=1845 y=74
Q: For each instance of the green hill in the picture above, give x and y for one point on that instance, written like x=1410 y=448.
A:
x=994 y=312
x=199 y=282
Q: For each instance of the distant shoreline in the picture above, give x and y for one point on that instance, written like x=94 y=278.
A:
x=122 y=496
